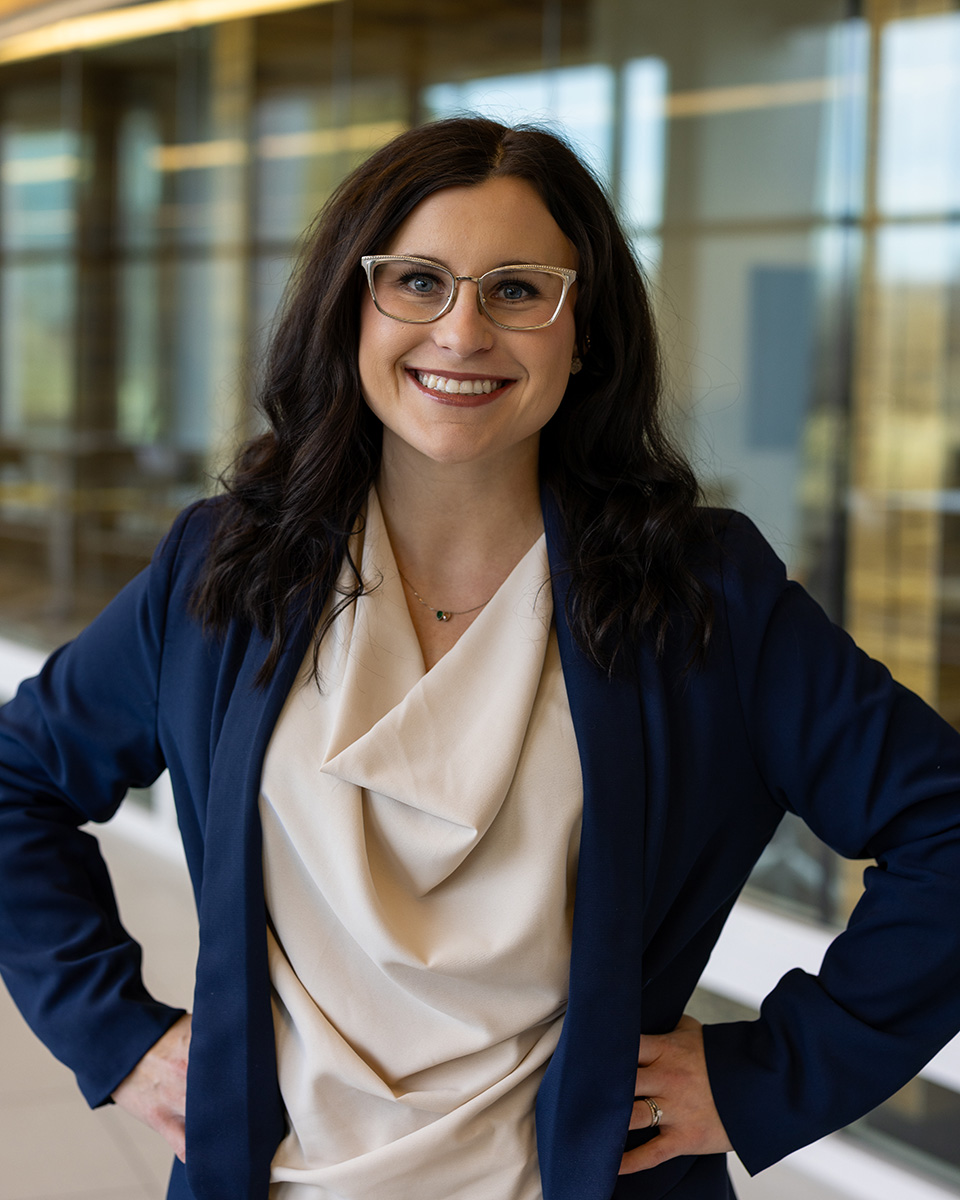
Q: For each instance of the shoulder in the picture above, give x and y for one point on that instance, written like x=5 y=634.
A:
x=733 y=557
x=756 y=606
x=184 y=547
x=735 y=539
x=169 y=582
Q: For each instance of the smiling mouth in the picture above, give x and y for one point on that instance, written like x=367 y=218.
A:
x=445 y=385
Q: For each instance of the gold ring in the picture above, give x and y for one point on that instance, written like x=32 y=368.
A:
x=656 y=1112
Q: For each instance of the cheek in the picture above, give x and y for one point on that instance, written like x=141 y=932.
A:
x=556 y=365
x=371 y=335
x=378 y=352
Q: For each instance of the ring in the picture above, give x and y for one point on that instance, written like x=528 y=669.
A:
x=656 y=1112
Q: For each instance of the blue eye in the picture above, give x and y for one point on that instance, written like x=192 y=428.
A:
x=514 y=290
x=422 y=284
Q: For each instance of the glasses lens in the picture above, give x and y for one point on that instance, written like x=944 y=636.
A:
x=411 y=291
x=521 y=299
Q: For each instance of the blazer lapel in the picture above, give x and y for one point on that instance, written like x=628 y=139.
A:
x=584 y=1103
x=234 y=1110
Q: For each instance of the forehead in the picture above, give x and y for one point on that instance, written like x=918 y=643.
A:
x=472 y=229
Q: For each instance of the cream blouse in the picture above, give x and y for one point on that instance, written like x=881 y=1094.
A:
x=420 y=844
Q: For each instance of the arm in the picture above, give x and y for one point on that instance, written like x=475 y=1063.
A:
x=71 y=743
x=876 y=774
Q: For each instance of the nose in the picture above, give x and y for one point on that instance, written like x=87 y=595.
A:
x=464 y=329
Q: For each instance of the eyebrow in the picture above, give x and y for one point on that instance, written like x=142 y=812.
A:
x=507 y=262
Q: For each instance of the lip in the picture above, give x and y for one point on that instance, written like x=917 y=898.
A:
x=455 y=399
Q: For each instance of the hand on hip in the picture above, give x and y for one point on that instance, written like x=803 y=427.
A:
x=673 y=1094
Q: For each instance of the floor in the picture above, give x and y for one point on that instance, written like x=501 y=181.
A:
x=52 y=1147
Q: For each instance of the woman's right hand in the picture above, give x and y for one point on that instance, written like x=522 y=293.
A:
x=155 y=1091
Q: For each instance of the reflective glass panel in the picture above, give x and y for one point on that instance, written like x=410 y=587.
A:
x=39 y=168
x=37 y=346
x=919 y=147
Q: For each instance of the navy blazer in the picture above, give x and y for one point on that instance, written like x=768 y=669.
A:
x=685 y=776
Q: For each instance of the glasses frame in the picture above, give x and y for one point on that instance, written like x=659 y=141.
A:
x=370 y=262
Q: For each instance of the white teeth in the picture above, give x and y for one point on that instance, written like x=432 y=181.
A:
x=463 y=387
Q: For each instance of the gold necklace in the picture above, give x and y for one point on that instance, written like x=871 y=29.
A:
x=442 y=614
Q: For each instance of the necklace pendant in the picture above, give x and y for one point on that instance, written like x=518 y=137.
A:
x=443 y=616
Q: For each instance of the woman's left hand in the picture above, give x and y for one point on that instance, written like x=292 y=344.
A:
x=672 y=1071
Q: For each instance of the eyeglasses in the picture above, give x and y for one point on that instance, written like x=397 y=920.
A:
x=417 y=290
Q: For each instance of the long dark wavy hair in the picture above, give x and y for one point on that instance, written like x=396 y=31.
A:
x=627 y=498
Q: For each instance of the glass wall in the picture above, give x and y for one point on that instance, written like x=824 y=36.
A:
x=153 y=193
x=788 y=171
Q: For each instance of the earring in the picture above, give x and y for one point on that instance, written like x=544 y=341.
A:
x=575 y=365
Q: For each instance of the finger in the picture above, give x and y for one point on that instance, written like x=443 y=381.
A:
x=650 y=1154
x=644 y=1113
x=651 y=1047
x=173 y=1132
x=653 y=1080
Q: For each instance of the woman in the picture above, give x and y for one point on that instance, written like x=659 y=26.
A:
x=399 y=756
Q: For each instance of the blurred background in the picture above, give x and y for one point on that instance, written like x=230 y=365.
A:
x=789 y=173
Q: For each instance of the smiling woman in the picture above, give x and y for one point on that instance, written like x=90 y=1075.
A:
x=477 y=724
x=461 y=399
x=348 y=390
x=517 y=376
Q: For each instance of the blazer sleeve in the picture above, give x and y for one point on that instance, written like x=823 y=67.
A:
x=72 y=741
x=875 y=773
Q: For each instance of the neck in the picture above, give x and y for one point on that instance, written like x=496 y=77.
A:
x=457 y=530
